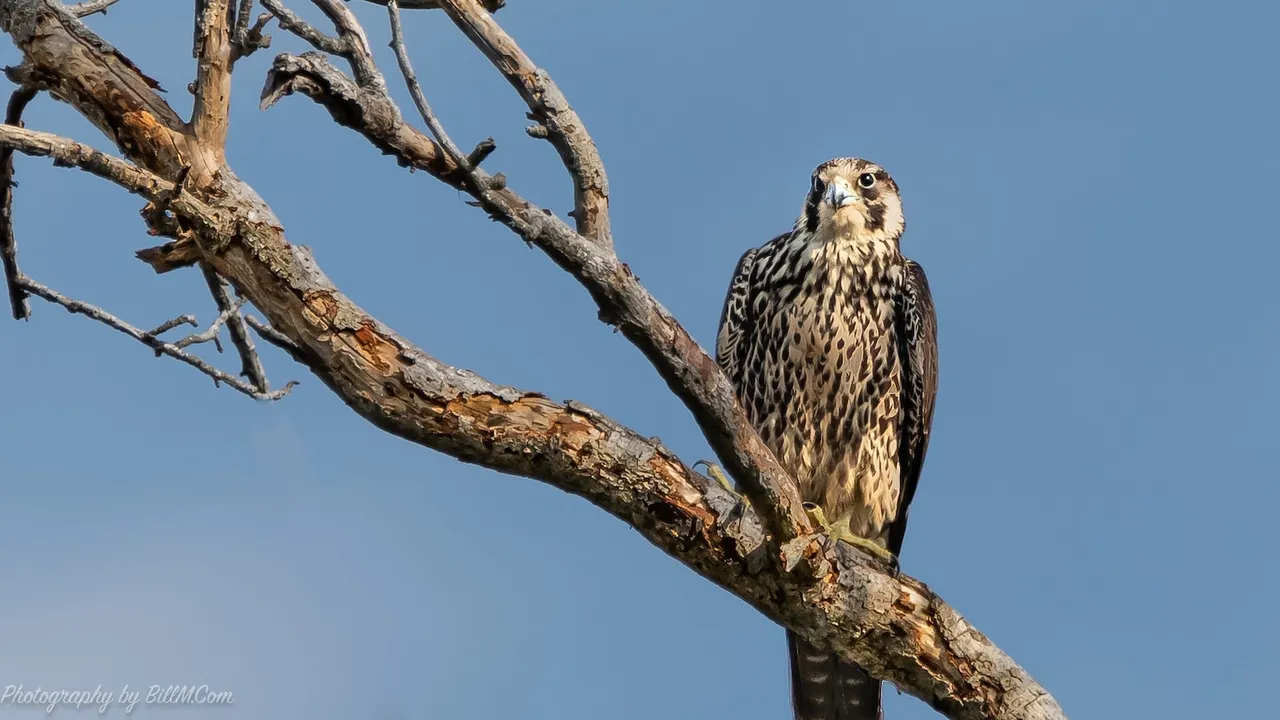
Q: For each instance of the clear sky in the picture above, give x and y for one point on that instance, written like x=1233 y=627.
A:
x=1090 y=186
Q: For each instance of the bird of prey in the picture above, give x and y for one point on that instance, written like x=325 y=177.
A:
x=829 y=337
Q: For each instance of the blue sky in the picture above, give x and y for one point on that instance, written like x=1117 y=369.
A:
x=1086 y=185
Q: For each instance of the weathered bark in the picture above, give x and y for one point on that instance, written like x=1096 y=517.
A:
x=892 y=626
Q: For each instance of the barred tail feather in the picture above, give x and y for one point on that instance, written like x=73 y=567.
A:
x=824 y=687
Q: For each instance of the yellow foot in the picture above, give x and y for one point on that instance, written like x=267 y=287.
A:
x=840 y=530
x=715 y=473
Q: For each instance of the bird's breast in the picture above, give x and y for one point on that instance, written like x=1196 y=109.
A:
x=827 y=397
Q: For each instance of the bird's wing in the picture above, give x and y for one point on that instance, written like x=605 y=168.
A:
x=918 y=351
x=734 y=336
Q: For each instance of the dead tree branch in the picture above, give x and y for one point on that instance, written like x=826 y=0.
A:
x=168 y=325
x=892 y=626
x=240 y=27
x=248 y=39
x=465 y=169
x=291 y=22
x=492 y=6
x=273 y=336
x=8 y=242
x=548 y=106
x=213 y=76
x=173 y=350
x=251 y=364
x=86 y=9
x=622 y=300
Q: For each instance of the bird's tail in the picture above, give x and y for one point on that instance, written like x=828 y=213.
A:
x=824 y=687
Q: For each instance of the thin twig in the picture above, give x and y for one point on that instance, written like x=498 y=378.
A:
x=490 y=5
x=251 y=363
x=170 y=349
x=86 y=9
x=168 y=325
x=8 y=242
x=251 y=39
x=291 y=22
x=210 y=334
x=272 y=335
x=171 y=324
x=424 y=108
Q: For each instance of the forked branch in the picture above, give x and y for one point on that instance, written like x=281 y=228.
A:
x=548 y=106
x=151 y=339
x=622 y=300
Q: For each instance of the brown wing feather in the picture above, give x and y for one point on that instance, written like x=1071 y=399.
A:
x=918 y=350
x=734 y=333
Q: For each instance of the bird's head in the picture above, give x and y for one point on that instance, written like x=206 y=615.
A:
x=851 y=197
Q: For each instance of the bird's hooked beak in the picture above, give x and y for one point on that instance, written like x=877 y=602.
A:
x=838 y=194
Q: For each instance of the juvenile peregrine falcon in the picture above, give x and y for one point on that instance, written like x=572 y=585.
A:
x=829 y=336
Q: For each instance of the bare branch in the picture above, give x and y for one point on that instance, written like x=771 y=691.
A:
x=565 y=129
x=8 y=242
x=213 y=76
x=623 y=302
x=492 y=6
x=358 y=51
x=424 y=108
x=97 y=80
x=148 y=339
x=291 y=22
x=170 y=256
x=86 y=9
x=171 y=324
x=481 y=151
x=210 y=334
x=271 y=335
x=69 y=153
x=367 y=110
x=251 y=364
x=250 y=39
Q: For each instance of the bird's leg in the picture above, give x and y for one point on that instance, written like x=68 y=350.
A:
x=840 y=530
x=715 y=473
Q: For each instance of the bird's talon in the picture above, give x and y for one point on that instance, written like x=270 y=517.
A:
x=839 y=530
x=715 y=473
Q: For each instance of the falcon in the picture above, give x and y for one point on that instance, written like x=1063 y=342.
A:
x=829 y=337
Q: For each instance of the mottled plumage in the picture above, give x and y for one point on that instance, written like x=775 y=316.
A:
x=829 y=336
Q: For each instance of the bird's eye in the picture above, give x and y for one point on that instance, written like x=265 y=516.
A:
x=818 y=185
x=866 y=181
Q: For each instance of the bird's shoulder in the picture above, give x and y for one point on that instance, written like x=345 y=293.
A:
x=917 y=296
x=916 y=279
x=735 y=314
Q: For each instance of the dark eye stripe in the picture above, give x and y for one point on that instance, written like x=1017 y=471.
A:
x=811 y=205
